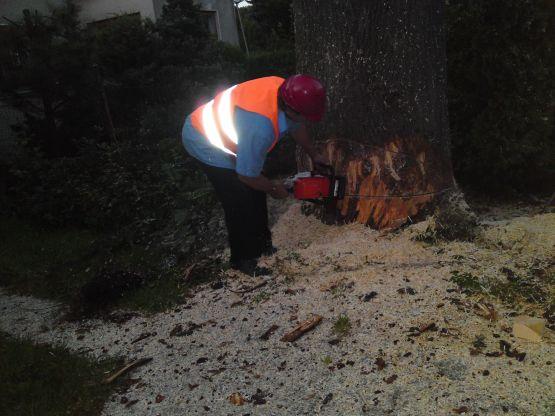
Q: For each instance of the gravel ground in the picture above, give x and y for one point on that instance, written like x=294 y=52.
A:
x=388 y=286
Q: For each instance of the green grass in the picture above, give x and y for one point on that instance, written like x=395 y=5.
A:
x=261 y=297
x=43 y=262
x=40 y=380
x=342 y=326
x=56 y=263
x=524 y=288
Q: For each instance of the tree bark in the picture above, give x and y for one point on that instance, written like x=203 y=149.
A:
x=386 y=127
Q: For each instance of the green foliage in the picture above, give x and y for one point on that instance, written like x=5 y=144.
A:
x=261 y=297
x=131 y=66
x=512 y=291
x=279 y=62
x=52 y=84
x=271 y=40
x=500 y=92
x=44 y=261
x=269 y=25
x=467 y=282
x=127 y=43
x=342 y=326
x=452 y=221
x=57 y=262
x=128 y=184
x=182 y=31
x=41 y=380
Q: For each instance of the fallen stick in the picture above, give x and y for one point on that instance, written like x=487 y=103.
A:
x=126 y=369
x=266 y=335
x=144 y=335
x=188 y=271
x=303 y=328
x=250 y=289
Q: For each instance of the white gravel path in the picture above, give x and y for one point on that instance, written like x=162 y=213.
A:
x=223 y=354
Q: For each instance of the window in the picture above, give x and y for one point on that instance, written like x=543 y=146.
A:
x=212 y=23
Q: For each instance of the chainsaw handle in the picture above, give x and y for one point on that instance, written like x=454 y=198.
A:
x=323 y=168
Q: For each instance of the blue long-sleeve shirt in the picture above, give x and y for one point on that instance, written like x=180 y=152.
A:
x=255 y=133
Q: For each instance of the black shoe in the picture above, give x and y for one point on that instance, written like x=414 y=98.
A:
x=269 y=250
x=250 y=268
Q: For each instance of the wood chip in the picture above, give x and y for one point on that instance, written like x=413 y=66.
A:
x=486 y=311
x=303 y=328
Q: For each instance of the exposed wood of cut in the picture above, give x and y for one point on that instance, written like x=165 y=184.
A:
x=388 y=185
x=303 y=328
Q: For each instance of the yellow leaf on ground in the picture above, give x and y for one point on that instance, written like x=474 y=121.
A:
x=529 y=328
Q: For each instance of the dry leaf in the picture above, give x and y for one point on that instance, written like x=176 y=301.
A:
x=236 y=399
x=159 y=398
x=332 y=285
x=461 y=410
x=391 y=379
x=428 y=327
x=380 y=363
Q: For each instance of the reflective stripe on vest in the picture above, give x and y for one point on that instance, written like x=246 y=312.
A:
x=215 y=120
x=218 y=125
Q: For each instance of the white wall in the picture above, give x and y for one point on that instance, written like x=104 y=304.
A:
x=93 y=10
x=226 y=18
x=13 y=9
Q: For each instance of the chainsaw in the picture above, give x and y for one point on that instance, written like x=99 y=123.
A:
x=317 y=187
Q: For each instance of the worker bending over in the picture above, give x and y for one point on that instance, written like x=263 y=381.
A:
x=231 y=136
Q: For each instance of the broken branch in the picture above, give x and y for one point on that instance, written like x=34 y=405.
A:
x=303 y=328
x=250 y=289
x=126 y=369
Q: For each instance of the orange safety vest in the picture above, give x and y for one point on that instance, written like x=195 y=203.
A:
x=215 y=119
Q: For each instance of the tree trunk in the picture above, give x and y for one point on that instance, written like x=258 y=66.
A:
x=386 y=127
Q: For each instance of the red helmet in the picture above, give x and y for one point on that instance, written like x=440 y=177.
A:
x=304 y=94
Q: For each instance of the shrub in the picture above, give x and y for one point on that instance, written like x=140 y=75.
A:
x=278 y=62
x=500 y=93
x=133 y=186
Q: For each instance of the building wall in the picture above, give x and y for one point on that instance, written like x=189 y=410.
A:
x=94 y=10
x=13 y=9
x=226 y=18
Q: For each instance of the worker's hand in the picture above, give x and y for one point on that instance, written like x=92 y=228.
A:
x=321 y=163
x=279 y=191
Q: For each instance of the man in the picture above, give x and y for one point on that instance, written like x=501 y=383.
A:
x=231 y=136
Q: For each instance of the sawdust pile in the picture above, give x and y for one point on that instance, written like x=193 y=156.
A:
x=411 y=341
x=530 y=237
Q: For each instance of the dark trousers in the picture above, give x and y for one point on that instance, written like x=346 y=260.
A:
x=246 y=214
